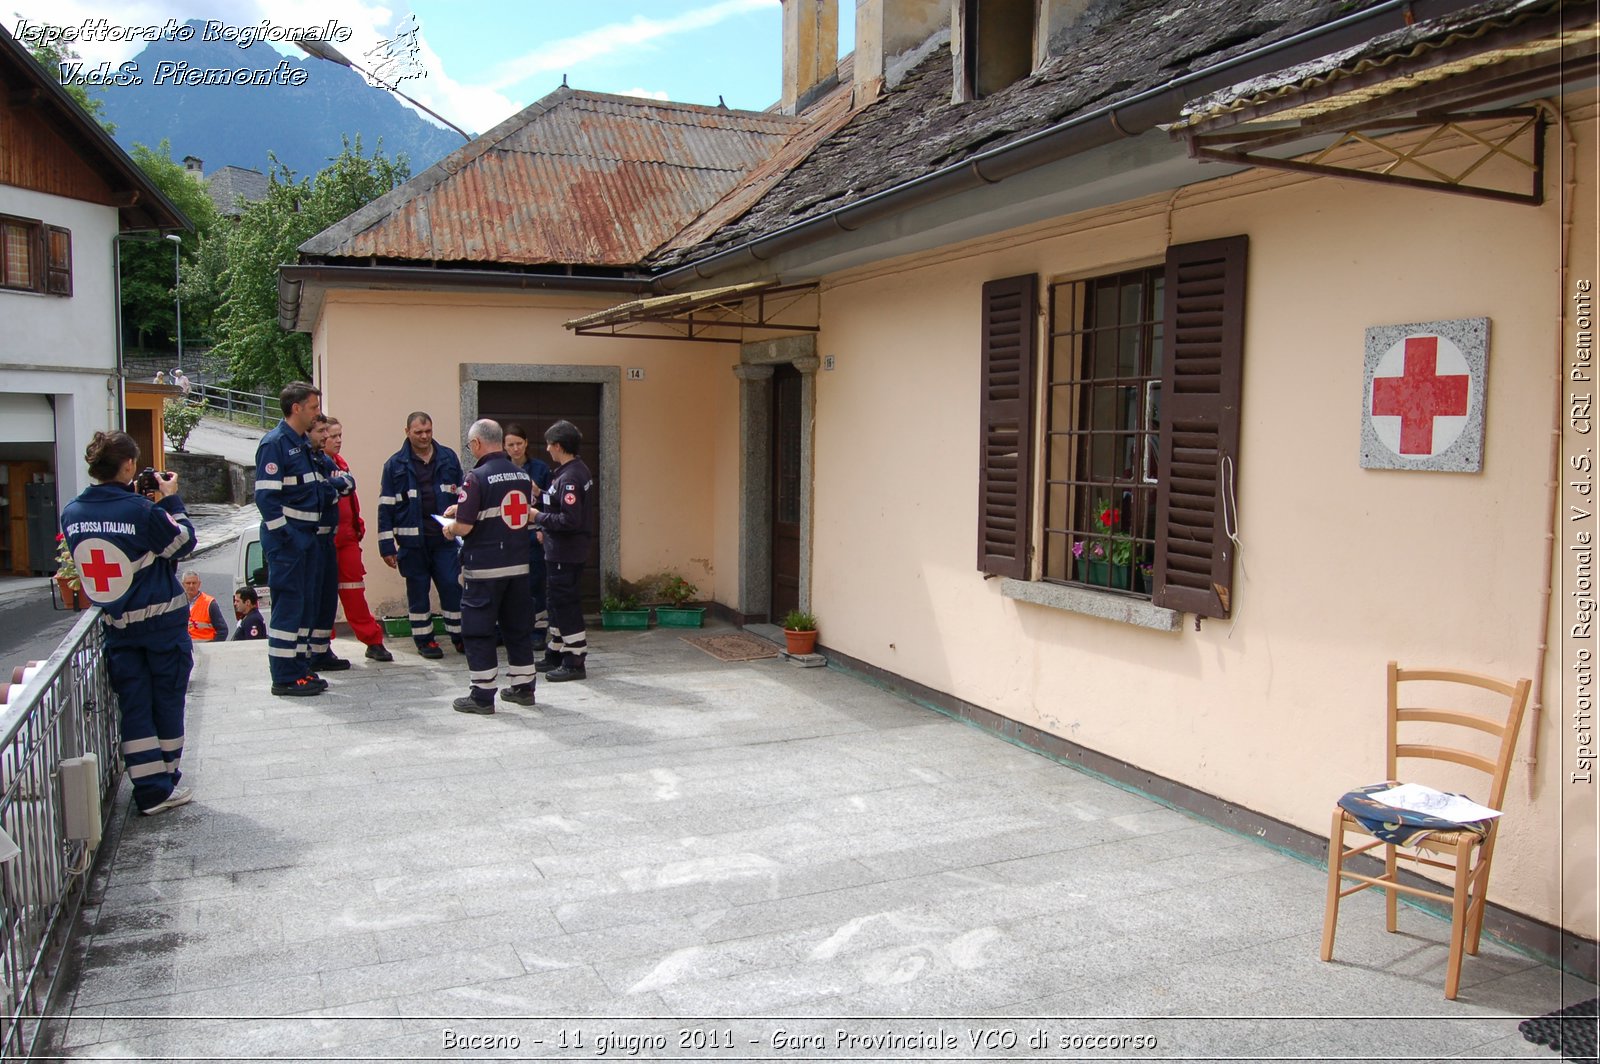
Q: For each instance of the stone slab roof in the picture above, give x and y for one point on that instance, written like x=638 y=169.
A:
x=1117 y=50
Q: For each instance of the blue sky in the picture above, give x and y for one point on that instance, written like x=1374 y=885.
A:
x=486 y=59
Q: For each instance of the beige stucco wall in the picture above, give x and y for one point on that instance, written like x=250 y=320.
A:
x=1281 y=708
x=384 y=354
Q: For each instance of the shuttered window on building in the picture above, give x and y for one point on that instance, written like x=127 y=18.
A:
x=1196 y=503
x=1009 y=354
x=58 y=260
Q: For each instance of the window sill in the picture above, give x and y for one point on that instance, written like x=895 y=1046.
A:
x=1103 y=604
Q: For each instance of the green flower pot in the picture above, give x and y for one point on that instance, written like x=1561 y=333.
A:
x=1102 y=573
x=625 y=618
x=680 y=616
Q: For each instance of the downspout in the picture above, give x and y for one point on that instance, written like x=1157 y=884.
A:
x=1553 y=484
x=116 y=323
x=1100 y=127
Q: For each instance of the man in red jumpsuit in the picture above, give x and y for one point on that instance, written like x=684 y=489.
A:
x=347 y=549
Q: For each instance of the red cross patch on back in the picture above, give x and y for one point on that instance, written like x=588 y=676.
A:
x=105 y=572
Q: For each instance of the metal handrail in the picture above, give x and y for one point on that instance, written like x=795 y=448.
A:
x=66 y=710
x=228 y=402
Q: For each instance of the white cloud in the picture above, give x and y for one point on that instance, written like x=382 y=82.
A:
x=566 y=54
x=649 y=94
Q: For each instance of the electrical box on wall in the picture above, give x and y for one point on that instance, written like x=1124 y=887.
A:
x=80 y=798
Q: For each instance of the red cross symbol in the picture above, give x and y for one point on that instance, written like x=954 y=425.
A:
x=100 y=571
x=1420 y=395
x=514 y=508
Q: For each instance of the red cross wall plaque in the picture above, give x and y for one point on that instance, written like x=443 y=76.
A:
x=1423 y=404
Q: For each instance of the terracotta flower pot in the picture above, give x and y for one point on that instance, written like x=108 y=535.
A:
x=72 y=598
x=800 y=642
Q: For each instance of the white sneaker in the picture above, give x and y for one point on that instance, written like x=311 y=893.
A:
x=179 y=796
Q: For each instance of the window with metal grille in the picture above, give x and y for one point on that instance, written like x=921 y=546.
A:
x=1102 y=419
x=1139 y=444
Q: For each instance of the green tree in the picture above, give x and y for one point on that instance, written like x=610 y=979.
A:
x=260 y=354
x=148 y=310
x=50 y=54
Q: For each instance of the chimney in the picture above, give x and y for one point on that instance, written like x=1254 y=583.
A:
x=810 y=50
x=194 y=167
x=889 y=39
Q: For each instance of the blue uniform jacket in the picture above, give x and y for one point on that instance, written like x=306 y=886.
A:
x=539 y=473
x=400 y=513
x=343 y=483
x=291 y=491
x=497 y=501
x=126 y=549
x=564 y=513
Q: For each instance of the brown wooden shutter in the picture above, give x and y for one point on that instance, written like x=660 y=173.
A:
x=1005 y=432
x=57 y=260
x=1201 y=379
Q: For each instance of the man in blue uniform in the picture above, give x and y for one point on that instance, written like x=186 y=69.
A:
x=323 y=659
x=564 y=518
x=419 y=481
x=292 y=497
x=126 y=548
x=492 y=520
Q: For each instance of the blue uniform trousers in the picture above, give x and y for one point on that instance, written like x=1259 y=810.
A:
x=293 y=576
x=504 y=602
x=438 y=567
x=568 y=640
x=152 y=683
x=327 y=586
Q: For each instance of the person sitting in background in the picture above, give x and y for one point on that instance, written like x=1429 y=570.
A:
x=247 y=608
x=206 y=623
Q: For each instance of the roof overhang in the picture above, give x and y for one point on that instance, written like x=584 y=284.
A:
x=141 y=206
x=731 y=314
x=302 y=288
x=1457 y=84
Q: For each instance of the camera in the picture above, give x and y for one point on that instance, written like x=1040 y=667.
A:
x=147 y=481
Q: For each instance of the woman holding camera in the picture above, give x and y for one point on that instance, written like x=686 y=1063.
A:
x=127 y=546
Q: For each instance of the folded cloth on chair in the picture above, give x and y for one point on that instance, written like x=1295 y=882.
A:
x=1400 y=827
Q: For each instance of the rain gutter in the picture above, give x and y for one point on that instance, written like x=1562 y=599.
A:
x=1083 y=133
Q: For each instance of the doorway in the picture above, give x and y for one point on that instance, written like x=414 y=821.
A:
x=784 y=529
x=536 y=405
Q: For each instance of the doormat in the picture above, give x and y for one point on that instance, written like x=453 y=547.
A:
x=733 y=646
x=1569 y=1031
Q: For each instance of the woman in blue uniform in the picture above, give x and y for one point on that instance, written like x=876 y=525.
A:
x=517 y=450
x=127 y=547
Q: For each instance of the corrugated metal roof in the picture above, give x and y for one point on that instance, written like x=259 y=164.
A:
x=1404 y=54
x=578 y=178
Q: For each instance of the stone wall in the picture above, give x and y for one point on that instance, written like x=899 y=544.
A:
x=211 y=478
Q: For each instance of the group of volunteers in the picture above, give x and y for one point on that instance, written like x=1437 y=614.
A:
x=503 y=544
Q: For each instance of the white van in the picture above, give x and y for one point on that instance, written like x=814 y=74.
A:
x=250 y=564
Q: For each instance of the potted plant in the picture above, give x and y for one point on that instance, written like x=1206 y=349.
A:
x=677 y=591
x=1104 y=560
x=800 y=632
x=67 y=579
x=618 y=610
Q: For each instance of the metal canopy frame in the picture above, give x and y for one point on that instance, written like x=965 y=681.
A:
x=1459 y=93
x=1528 y=121
x=719 y=316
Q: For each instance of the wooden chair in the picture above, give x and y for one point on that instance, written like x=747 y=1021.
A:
x=1472 y=853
